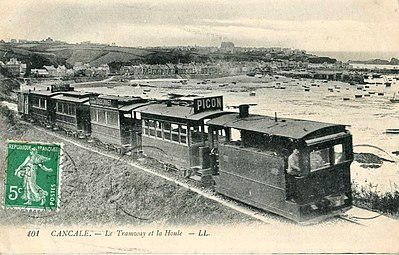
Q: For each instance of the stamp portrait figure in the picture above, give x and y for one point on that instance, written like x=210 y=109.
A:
x=28 y=170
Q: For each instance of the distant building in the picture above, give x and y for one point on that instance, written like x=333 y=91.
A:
x=80 y=66
x=39 y=73
x=61 y=71
x=48 y=40
x=52 y=71
x=89 y=72
x=102 y=71
x=15 y=68
x=227 y=47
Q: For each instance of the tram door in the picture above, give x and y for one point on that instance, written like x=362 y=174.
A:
x=26 y=104
x=218 y=136
x=136 y=138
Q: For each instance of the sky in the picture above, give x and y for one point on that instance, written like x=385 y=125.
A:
x=322 y=25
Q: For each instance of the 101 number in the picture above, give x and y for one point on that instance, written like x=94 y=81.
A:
x=33 y=233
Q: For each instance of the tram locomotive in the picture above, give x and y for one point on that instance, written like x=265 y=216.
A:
x=244 y=156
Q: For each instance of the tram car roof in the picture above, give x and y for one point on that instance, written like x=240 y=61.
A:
x=121 y=99
x=178 y=111
x=122 y=103
x=74 y=96
x=283 y=127
x=47 y=93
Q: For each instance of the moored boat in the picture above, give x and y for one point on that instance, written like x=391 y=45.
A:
x=394 y=99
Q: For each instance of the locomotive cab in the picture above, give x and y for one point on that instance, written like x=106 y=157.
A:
x=251 y=163
x=324 y=183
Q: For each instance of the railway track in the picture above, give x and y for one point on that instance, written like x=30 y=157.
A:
x=230 y=204
x=355 y=215
x=367 y=218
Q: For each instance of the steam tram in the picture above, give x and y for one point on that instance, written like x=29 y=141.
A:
x=244 y=156
x=251 y=161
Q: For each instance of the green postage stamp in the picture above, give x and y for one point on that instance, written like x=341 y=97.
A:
x=33 y=176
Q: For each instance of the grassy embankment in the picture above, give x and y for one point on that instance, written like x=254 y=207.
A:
x=98 y=190
x=7 y=86
x=367 y=196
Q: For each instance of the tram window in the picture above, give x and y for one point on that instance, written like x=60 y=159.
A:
x=235 y=135
x=112 y=118
x=183 y=139
x=65 y=108
x=101 y=116
x=151 y=124
x=166 y=126
x=93 y=115
x=167 y=131
x=183 y=129
x=319 y=159
x=183 y=134
x=196 y=134
x=59 y=107
x=145 y=127
x=339 y=155
x=175 y=132
x=206 y=131
x=72 y=110
x=222 y=137
x=35 y=101
x=39 y=102
x=159 y=129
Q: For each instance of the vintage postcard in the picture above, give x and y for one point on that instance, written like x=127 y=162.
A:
x=199 y=126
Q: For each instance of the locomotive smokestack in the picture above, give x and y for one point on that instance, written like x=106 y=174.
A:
x=169 y=103
x=244 y=110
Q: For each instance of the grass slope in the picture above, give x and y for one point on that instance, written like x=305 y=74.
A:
x=97 y=190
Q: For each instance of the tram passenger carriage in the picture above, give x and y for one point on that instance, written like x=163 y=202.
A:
x=112 y=121
x=177 y=134
x=72 y=111
x=242 y=155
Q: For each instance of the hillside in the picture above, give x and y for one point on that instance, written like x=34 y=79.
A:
x=393 y=61
x=7 y=86
x=38 y=54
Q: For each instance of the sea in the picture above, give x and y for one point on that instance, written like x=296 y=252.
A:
x=366 y=117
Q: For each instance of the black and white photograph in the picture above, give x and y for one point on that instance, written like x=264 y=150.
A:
x=199 y=126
